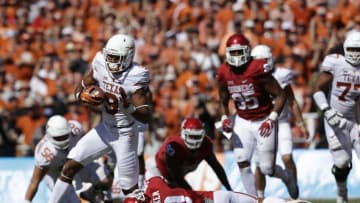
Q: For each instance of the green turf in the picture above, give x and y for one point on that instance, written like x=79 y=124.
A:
x=331 y=200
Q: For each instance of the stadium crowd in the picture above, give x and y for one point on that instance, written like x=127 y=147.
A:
x=47 y=46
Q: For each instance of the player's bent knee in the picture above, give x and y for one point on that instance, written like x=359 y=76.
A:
x=341 y=162
x=287 y=158
x=70 y=168
x=341 y=174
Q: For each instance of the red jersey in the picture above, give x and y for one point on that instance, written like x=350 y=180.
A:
x=174 y=148
x=157 y=191
x=251 y=100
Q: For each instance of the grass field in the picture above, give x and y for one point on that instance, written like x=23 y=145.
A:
x=331 y=200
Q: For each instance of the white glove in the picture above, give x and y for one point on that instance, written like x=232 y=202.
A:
x=334 y=118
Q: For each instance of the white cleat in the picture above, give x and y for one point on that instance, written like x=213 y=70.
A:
x=341 y=200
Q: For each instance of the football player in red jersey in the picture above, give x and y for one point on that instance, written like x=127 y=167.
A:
x=158 y=191
x=250 y=85
x=179 y=155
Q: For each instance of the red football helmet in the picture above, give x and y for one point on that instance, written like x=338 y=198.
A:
x=237 y=50
x=192 y=132
x=137 y=196
x=132 y=200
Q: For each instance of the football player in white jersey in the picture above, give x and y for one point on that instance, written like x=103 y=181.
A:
x=50 y=155
x=340 y=73
x=284 y=76
x=125 y=85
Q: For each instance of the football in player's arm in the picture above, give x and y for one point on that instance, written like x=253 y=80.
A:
x=125 y=85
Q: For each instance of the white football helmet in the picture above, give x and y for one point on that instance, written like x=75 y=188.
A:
x=58 y=131
x=352 y=47
x=119 y=52
x=192 y=132
x=263 y=52
x=237 y=50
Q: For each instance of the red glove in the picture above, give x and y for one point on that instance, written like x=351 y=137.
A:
x=226 y=125
x=266 y=127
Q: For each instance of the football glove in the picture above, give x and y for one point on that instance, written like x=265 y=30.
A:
x=334 y=118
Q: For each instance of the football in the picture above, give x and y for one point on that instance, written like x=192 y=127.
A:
x=92 y=95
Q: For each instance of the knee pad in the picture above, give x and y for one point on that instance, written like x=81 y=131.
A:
x=341 y=158
x=341 y=174
x=241 y=155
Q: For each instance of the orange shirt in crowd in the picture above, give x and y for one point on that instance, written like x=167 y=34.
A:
x=29 y=125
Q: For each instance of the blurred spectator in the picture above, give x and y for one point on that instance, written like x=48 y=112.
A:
x=46 y=46
x=28 y=123
x=9 y=134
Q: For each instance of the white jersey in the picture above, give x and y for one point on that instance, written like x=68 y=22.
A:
x=345 y=88
x=47 y=156
x=284 y=77
x=117 y=87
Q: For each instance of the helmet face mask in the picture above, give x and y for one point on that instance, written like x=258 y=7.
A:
x=237 y=50
x=192 y=132
x=119 y=52
x=58 y=131
x=263 y=52
x=352 y=48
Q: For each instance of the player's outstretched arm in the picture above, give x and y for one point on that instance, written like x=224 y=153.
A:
x=177 y=176
x=219 y=170
x=295 y=109
x=37 y=176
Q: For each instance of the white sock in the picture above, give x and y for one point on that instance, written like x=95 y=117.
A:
x=260 y=193
x=248 y=180
x=59 y=191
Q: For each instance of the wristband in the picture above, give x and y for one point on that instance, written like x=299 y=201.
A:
x=27 y=201
x=273 y=115
x=320 y=100
x=77 y=95
x=83 y=84
x=223 y=117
